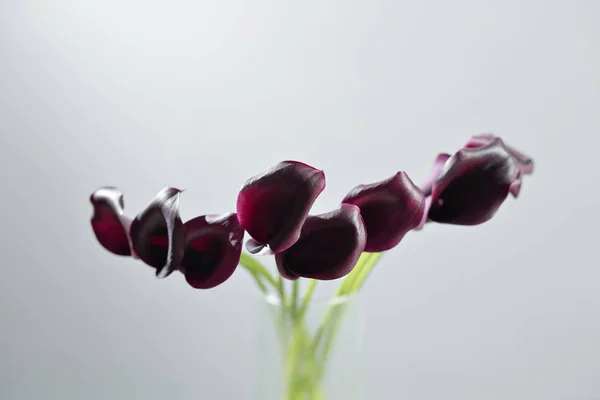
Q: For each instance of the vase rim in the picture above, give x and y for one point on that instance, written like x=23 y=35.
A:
x=273 y=298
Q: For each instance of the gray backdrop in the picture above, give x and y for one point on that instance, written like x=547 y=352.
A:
x=204 y=94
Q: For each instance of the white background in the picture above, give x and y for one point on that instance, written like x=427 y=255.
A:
x=204 y=94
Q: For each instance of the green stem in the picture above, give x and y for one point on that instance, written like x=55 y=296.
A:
x=258 y=270
x=291 y=364
x=301 y=366
x=260 y=274
x=294 y=301
x=257 y=278
x=306 y=357
x=259 y=283
x=347 y=285
x=342 y=290
x=307 y=297
x=364 y=272
x=335 y=318
x=280 y=288
x=351 y=284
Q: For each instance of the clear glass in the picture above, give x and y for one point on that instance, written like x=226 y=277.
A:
x=316 y=355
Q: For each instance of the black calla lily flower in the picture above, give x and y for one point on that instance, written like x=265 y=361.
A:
x=475 y=181
x=328 y=248
x=110 y=225
x=157 y=233
x=273 y=206
x=389 y=209
x=524 y=162
x=213 y=245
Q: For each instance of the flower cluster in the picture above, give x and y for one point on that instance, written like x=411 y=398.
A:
x=465 y=188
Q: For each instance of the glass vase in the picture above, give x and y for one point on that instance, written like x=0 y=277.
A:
x=310 y=351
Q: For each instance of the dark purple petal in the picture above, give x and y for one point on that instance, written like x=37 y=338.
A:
x=524 y=162
x=286 y=273
x=427 y=187
x=438 y=165
x=329 y=245
x=213 y=245
x=515 y=187
x=272 y=206
x=473 y=184
x=110 y=226
x=425 y=216
x=389 y=209
x=157 y=233
x=483 y=139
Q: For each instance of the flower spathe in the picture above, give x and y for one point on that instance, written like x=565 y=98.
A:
x=389 y=208
x=329 y=245
x=438 y=165
x=273 y=206
x=109 y=224
x=474 y=182
x=524 y=162
x=213 y=244
x=157 y=233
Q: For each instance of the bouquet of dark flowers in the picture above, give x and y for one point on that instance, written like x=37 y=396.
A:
x=273 y=208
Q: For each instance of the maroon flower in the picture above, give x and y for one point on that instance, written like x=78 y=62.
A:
x=328 y=248
x=524 y=162
x=389 y=208
x=157 y=233
x=213 y=245
x=110 y=226
x=272 y=206
x=475 y=181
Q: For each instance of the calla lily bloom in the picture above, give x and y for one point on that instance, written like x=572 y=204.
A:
x=475 y=181
x=157 y=233
x=213 y=244
x=389 y=209
x=328 y=248
x=273 y=206
x=110 y=226
x=524 y=162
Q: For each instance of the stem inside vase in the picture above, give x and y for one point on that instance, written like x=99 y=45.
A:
x=317 y=340
x=306 y=352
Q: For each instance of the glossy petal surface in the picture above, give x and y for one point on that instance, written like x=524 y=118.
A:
x=438 y=165
x=273 y=206
x=329 y=245
x=286 y=273
x=473 y=184
x=157 y=233
x=389 y=209
x=110 y=226
x=213 y=244
x=524 y=162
